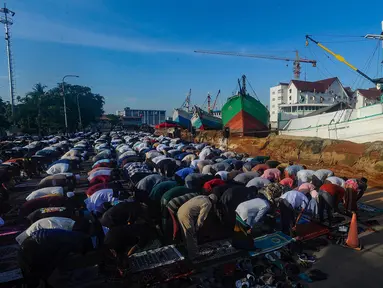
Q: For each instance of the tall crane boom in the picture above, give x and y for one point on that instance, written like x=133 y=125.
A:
x=340 y=58
x=297 y=60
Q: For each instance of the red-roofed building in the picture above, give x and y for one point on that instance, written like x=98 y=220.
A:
x=366 y=97
x=300 y=98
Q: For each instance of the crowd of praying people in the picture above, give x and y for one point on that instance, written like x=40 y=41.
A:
x=143 y=187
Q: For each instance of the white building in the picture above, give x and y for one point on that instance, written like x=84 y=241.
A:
x=300 y=98
x=278 y=96
x=366 y=97
x=120 y=113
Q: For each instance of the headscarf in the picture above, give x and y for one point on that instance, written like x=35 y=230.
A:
x=273 y=191
x=351 y=183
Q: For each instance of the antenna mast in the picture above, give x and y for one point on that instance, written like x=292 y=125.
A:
x=7 y=20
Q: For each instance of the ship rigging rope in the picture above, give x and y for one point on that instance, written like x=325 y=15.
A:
x=360 y=80
x=256 y=96
x=378 y=64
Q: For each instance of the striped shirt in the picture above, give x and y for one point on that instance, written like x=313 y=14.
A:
x=177 y=202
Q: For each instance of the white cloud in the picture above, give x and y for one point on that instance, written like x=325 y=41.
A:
x=39 y=28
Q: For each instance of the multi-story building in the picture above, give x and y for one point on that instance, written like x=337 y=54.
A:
x=299 y=98
x=120 y=113
x=278 y=96
x=149 y=117
x=366 y=97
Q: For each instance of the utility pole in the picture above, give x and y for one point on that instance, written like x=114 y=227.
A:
x=79 y=114
x=7 y=20
x=63 y=91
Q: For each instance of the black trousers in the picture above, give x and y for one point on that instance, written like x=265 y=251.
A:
x=287 y=216
x=326 y=202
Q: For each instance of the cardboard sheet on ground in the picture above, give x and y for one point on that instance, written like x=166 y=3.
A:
x=9 y=266
x=270 y=242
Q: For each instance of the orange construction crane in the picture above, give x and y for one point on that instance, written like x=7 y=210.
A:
x=297 y=60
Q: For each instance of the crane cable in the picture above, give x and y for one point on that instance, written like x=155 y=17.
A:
x=316 y=57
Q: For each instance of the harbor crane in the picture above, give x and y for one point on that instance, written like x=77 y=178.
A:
x=297 y=61
x=378 y=81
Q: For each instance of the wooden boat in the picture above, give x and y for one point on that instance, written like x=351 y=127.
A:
x=183 y=115
x=203 y=120
x=243 y=113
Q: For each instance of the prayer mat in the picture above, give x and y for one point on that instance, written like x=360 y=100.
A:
x=28 y=184
x=8 y=233
x=216 y=250
x=154 y=258
x=338 y=221
x=270 y=242
x=9 y=266
x=366 y=210
x=74 y=278
x=304 y=220
x=310 y=231
x=154 y=277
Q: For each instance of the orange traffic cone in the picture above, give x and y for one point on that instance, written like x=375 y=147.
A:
x=352 y=237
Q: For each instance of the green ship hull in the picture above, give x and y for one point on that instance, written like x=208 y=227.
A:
x=245 y=114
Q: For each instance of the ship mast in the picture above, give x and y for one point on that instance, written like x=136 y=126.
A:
x=215 y=101
x=186 y=103
x=208 y=102
x=243 y=89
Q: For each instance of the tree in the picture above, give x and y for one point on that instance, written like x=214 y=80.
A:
x=114 y=119
x=43 y=111
x=4 y=123
x=36 y=97
x=91 y=104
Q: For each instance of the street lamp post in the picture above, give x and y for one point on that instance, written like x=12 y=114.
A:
x=63 y=91
x=79 y=114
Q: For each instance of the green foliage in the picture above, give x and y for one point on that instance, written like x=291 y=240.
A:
x=114 y=119
x=4 y=123
x=41 y=111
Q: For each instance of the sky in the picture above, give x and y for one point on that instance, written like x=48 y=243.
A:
x=139 y=54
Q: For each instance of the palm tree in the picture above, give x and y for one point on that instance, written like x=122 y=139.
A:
x=38 y=91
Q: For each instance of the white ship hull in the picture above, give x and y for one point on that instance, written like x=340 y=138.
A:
x=357 y=125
